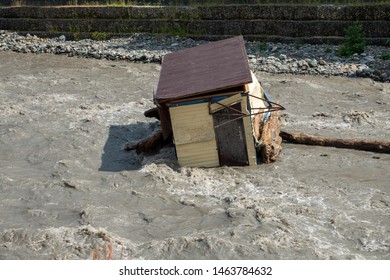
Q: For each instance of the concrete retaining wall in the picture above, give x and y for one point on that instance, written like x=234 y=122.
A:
x=315 y=24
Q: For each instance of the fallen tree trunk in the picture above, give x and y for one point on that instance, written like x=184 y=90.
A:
x=153 y=143
x=356 y=144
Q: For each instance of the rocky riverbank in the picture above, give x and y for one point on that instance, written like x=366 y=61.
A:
x=268 y=57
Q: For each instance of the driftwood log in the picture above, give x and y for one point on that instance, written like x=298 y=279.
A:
x=356 y=144
x=152 y=113
x=271 y=151
x=150 y=144
x=272 y=137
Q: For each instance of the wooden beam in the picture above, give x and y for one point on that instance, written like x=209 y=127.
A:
x=225 y=103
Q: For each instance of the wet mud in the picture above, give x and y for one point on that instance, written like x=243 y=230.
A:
x=67 y=185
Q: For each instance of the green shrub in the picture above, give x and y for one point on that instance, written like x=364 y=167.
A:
x=263 y=46
x=385 y=56
x=354 y=41
x=99 y=36
x=298 y=42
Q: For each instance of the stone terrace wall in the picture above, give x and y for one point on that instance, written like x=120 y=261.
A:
x=314 y=23
x=177 y=2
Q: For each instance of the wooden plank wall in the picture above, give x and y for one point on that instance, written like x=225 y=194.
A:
x=194 y=135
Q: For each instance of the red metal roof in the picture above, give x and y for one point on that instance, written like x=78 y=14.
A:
x=198 y=70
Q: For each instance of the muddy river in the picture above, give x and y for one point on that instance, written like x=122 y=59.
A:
x=68 y=186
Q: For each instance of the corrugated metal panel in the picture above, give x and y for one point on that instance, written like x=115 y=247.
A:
x=198 y=154
x=198 y=70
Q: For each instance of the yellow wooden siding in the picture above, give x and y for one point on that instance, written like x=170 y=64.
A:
x=192 y=123
x=198 y=154
x=194 y=135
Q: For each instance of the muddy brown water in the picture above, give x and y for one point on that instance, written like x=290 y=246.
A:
x=67 y=185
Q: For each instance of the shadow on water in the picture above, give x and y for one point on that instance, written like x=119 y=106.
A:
x=114 y=157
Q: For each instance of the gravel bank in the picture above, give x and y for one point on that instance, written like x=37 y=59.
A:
x=266 y=57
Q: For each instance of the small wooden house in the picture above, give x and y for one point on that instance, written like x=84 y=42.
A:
x=212 y=104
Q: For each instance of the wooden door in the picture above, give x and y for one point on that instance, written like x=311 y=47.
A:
x=230 y=136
